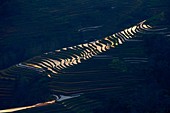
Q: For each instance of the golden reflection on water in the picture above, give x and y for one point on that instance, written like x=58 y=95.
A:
x=27 y=107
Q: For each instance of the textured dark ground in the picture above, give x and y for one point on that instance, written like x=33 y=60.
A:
x=30 y=28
